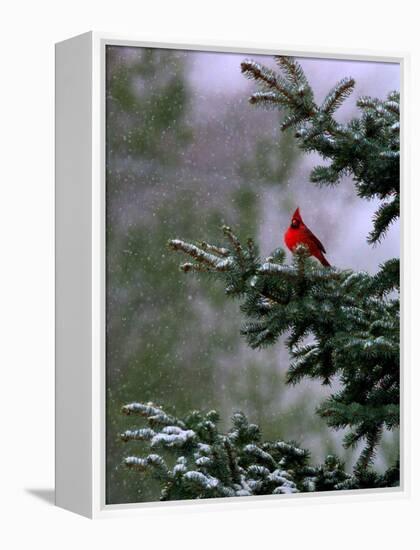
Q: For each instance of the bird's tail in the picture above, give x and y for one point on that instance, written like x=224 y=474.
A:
x=323 y=260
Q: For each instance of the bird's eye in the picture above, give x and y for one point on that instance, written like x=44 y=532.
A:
x=295 y=223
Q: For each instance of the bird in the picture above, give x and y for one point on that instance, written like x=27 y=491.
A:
x=298 y=233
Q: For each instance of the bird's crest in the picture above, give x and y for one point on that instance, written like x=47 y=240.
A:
x=297 y=215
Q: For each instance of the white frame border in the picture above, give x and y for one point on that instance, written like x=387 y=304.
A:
x=99 y=508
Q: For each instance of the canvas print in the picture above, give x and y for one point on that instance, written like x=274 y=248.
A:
x=252 y=275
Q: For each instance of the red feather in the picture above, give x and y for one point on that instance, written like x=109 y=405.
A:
x=298 y=233
x=297 y=215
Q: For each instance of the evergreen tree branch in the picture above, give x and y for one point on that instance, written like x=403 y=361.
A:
x=353 y=325
x=293 y=71
x=367 y=148
x=384 y=217
x=240 y=463
x=337 y=95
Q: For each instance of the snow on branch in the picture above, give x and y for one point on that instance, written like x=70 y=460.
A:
x=237 y=463
x=353 y=324
x=203 y=257
x=337 y=95
x=155 y=415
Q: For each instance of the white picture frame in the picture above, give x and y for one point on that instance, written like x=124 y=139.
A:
x=80 y=275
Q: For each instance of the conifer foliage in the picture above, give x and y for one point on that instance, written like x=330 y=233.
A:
x=338 y=324
x=367 y=148
x=206 y=463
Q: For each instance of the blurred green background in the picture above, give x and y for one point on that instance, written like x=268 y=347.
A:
x=185 y=154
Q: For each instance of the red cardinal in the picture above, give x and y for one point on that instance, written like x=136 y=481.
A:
x=298 y=233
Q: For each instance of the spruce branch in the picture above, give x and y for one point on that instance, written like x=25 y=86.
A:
x=384 y=217
x=292 y=120
x=353 y=325
x=337 y=95
x=268 y=80
x=202 y=257
x=284 y=92
x=328 y=175
x=240 y=463
x=154 y=415
x=198 y=268
x=366 y=148
x=213 y=249
x=152 y=463
x=393 y=106
x=144 y=434
x=234 y=241
x=292 y=70
x=268 y=100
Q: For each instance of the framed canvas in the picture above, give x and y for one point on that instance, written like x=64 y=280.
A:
x=228 y=245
